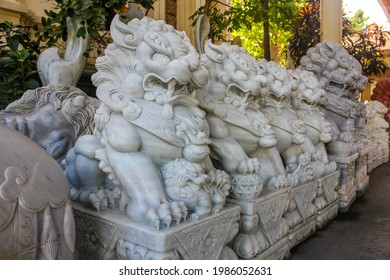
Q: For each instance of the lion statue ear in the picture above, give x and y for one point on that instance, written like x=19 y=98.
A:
x=214 y=52
x=127 y=36
x=202 y=30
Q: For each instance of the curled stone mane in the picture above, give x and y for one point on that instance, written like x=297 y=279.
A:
x=73 y=103
x=146 y=55
x=334 y=67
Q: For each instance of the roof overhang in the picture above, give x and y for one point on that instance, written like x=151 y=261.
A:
x=385 y=4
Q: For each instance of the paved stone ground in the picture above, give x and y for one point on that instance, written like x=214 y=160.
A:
x=363 y=233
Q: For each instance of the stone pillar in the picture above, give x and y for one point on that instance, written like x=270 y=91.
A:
x=331 y=20
x=366 y=94
x=158 y=11
x=185 y=9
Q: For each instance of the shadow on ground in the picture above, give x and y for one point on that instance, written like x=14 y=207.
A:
x=363 y=233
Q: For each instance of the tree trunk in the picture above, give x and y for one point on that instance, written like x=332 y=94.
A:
x=266 y=43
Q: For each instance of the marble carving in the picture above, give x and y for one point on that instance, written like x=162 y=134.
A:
x=65 y=69
x=36 y=220
x=376 y=131
x=151 y=138
x=307 y=97
x=290 y=130
x=340 y=75
x=199 y=156
x=244 y=145
x=53 y=116
x=242 y=141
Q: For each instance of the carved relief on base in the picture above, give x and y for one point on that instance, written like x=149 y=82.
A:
x=111 y=235
x=279 y=251
x=347 y=190
x=262 y=223
x=324 y=216
x=327 y=190
x=304 y=224
x=361 y=175
x=303 y=231
x=327 y=199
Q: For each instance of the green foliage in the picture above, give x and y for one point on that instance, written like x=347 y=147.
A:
x=281 y=15
x=220 y=22
x=366 y=46
x=358 y=20
x=252 y=40
x=95 y=15
x=306 y=31
x=245 y=18
x=19 y=53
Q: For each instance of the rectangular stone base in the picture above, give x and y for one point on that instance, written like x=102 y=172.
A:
x=362 y=186
x=347 y=187
x=303 y=196
x=303 y=231
x=329 y=184
x=370 y=160
x=112 y=235
x=279 y=251
x=327 y=214
x=377 y=162
x=361 y=171
x=377 y=156
x=261 y=224
x=384 y=154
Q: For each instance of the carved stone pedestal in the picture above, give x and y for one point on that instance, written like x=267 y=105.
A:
x=303 y=196
x=370 y=159
x=112 y=235
x=263 y=230
x=327 y=207
x=377 y=157
x=279 y=251
x=361 y=172
x=385 y=154
x=347 y=186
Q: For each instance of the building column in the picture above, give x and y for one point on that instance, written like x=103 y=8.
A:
x=185 y=9
x=331 y=20
x=12 y=10
x=158 y=11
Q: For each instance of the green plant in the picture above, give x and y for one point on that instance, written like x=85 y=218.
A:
x=260 y=23
x=366 y=46
x=220 y=21
x=95 y=17
x=358 y=20
x=18 y=53
x=306 y=32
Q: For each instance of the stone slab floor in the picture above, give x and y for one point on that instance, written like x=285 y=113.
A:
x=363 y=233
